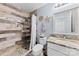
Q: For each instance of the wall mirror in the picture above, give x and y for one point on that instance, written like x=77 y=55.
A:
x=66 y=21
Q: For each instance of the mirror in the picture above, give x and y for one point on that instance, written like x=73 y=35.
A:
x=66 y=21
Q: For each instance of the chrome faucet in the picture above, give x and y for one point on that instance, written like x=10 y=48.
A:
x=64 y=36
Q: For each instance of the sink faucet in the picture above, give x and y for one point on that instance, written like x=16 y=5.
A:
x=64 y=36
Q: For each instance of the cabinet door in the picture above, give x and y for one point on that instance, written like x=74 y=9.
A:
x=59 y=48
x=73 y=52
x=52 y=52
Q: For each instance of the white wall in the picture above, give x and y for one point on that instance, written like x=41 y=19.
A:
x=45 y=10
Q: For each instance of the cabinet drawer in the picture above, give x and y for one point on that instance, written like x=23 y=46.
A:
x=52 y=52
x=58 y=48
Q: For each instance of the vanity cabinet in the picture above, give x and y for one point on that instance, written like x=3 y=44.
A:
x=60 y=50
x=52 y=52
x=73 y=52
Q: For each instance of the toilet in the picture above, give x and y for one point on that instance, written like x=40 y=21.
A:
x=37 y=50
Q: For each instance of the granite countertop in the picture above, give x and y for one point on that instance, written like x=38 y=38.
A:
x=70 y=43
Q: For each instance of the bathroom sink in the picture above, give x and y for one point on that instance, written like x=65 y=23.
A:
x=57 y=35
x=65 y=36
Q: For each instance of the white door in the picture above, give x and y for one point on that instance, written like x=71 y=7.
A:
x=33 y=31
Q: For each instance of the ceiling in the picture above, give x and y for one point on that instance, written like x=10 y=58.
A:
x=28 y=7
